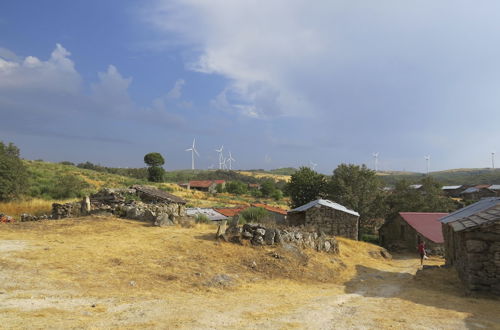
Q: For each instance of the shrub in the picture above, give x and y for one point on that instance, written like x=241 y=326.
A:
x=254 y=214
x=202 y=218
x=370 y=238
x=13 y=173
x=277 y=194
x=156 y=174
x=69 y=186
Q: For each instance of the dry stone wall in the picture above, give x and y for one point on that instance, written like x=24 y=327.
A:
x=257 y=235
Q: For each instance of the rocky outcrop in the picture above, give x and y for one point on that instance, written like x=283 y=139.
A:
x=257 y=235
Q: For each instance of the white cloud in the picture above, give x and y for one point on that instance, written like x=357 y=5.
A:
x=176 y=91
x=57 y=74
x=112 y=91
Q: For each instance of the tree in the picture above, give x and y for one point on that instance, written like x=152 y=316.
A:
x=236 y=187
x=359 y=189
x=277 y=194
x=156 y=174
x=305 y=186
x=13 y=173
x=155 y=160
x=267 y=187
x=428 y=198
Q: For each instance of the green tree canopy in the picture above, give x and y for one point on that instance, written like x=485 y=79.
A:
x=267 y=187
x=236 y=187
x=156 y=174
x=428 y=198
x=305 y=186
x=13 y=173
x=154 y=159
x=359 y=189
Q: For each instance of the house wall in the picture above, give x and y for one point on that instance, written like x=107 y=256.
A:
x=328 y=220
x=398 y=234
x=482 y=193
x=475 y=255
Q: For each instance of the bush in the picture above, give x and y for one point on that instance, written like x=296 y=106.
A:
x=370 y=238
x=254 y=214
x=277 y=194
x=236 y=187
x=69 y=186
x=156 y=174
x=202 y=218
x=13 y=173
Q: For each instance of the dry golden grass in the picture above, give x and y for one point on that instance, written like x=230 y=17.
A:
x=259 y=175
x=139 y=276
x=32 y=206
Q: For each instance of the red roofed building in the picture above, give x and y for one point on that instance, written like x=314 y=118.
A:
x=403 y=231
x=204 y=185
x=278 y=213
x=230 y=212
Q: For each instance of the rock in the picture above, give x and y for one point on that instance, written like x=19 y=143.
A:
x=254 y=265
x=163 y=220
x=246 y=235
x=248 y=228
x=220 y=280
x=257 y=240
x=269 y=236
x=327 y=246
x=475 y=246
x=260 y=231
x=277 y=236
x=132 y=283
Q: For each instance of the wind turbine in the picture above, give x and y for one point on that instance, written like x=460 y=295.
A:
x=193 y=151
x=493 y=160
x=221 y=157
x=375 y=158
x=313 y=165
x=230 y=160
x=428 y=161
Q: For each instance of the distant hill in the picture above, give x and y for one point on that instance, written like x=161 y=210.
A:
x=469 y=176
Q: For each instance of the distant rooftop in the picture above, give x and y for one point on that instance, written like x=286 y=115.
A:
x=485 y=211
x=210 y=213
x=326 y=203
x=425 y=223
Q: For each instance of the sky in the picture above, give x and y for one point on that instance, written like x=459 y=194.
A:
x=278 y=83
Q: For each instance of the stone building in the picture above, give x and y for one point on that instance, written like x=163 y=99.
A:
x=204 y=185
x=477 y=192
x=453 y=191
x=403 y=231
x=326 y=216
x=472 y=244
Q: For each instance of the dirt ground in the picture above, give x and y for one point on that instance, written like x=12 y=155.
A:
x=113 y=273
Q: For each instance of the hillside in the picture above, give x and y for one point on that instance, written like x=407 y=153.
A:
x=112 y=273
x=448 y=177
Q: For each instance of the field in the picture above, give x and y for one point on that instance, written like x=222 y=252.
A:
x=114 y=273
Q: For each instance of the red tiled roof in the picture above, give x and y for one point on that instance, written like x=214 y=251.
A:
x=426 y=224
x=482 y=186
x=271 y=208
x=219 y=181
x=231 y=212
x=201 y=184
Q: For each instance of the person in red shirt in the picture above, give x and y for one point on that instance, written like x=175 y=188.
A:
x=421 y=250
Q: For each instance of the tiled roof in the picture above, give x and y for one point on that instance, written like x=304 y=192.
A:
x=204 y=183
x=484 y=212
x=324 y=202
x=482 y=186
x=230 y=212
x=426 y=224
x=271 y=208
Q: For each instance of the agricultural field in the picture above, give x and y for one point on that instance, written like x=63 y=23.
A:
x=113 y=273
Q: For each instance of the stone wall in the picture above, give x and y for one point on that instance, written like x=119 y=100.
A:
x=476 y=256
x=327 y=220
x=257 y=234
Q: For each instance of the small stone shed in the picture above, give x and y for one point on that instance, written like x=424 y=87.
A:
x=326 y=216
x=472 y=244
x=403 y=231
x=477 y=192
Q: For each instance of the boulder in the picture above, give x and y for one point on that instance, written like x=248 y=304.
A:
x=163 y=220
x=269 y=236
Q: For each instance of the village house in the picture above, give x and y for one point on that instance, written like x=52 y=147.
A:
x=477 y=192
x=204 y=185
x=326 y=216
x=230 y=212
x=453 y=191
x=472 y=244
x=404 y=230
x=496 y=189
x=278 y=214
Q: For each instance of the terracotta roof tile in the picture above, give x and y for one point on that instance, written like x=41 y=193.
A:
x=271 y=208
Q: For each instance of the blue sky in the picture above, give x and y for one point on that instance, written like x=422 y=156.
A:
x=278 y=83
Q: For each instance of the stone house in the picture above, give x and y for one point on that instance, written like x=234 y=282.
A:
x=404 y=230
x=477 y=192
x=326 y=216
x=204 y=185
x=496 y=189
x=278 y=214
x=453 y=191
x=472 y=244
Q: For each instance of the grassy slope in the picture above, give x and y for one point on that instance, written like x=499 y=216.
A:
x=448 y=177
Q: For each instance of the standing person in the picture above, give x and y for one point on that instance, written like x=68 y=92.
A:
x=421 y=250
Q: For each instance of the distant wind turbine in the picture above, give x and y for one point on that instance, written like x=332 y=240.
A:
x=230 y=160
x=428 y=161
x=193 y=151
x=221 y=157
x=313 y=165
x=375 y=159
